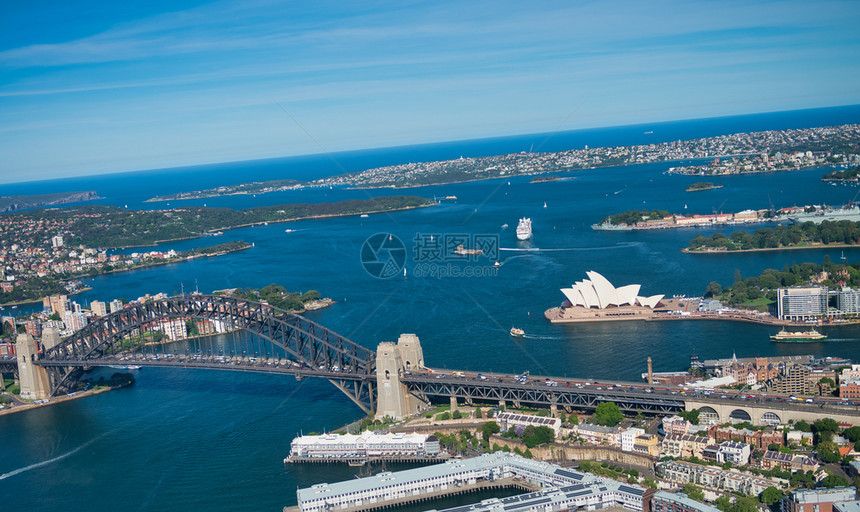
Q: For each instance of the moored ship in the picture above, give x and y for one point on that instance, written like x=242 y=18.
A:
x=850 y=212
x=524 y=229
x=798 y=336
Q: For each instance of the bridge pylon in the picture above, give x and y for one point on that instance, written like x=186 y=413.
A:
x=34 y=380
x=392 y=361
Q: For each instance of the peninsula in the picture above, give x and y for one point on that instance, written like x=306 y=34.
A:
x=808 y=235
x=14 y=203
x=255 y=187
x=740 y=153
x=778 y=150
x=852 y=174
x=661 y=219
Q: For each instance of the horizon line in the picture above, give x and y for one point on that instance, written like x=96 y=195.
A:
x=548 y=134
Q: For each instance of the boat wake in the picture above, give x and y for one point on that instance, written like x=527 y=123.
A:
x=536 y=337
x=567 y=249
x=49 y=461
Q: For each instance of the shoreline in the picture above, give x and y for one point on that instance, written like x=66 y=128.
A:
x=29 y=406
x=538 y=173
x=276 y=221
x=769 y=249
x=140 y=267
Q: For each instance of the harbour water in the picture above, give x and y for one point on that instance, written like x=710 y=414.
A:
x=208 y=440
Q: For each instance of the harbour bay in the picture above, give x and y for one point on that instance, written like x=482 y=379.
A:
x=215 y=440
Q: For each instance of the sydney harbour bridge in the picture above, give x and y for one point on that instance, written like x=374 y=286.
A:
x=391 y=381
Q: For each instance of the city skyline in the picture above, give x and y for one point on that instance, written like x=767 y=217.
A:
x=123 y=88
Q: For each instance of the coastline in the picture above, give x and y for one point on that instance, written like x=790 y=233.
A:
x=28 y=406
x=35 y=301
x=129 y=269
x=769 y=249
x=276 y=221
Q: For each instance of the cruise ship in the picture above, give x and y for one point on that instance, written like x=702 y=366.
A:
x=850 y=212
x=799 y=336
x=524 y=229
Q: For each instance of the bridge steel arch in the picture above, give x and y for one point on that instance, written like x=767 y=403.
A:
x=318 y=350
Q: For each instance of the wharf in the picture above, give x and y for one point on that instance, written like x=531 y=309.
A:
x=501 y=483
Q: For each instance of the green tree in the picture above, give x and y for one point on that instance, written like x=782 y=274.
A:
x=478 y=413
x=694 y=492
x=831 y=481
x=608 y=414
x=771 y=495
x=723 y=503
x=825 y=425
x=852 y=433
x=488 y=429
x=691 y=416
x=714 y=289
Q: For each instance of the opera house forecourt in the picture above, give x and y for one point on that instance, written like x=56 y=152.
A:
x=596 y=299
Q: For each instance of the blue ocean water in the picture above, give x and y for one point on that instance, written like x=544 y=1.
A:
x=182 y=439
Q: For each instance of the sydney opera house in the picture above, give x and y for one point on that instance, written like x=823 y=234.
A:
x=595 y=299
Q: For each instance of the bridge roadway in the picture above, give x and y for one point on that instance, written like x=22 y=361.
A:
x=579 y=394
x=508 y=389
x=287 y=343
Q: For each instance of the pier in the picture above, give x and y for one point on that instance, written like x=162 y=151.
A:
x=572 y=488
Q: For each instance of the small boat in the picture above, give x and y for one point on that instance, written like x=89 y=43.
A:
x=504 y=226
x=519 y=333
x=544 y=204
x=497 y=264
x=799 y=336
x=364 y=215
x=404 y=271
x=462 y=251
x=289 y=230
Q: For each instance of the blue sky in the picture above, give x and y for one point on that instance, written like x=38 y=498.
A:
x=91 y=87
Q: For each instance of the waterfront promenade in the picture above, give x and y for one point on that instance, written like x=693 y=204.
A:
x=670 y=310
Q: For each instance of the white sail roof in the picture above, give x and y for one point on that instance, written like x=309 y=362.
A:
x=597 y=291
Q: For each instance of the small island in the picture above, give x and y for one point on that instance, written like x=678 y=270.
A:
x=545 y=178
x=702 y=185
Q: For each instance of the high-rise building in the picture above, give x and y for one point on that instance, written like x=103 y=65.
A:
x=801 y=303
x=34 y=329
x=98 y=308
x=174 y=329
x=57 y=241
x=115 y=305
x=848 y=300
x=74 y=321
x=59 y=304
